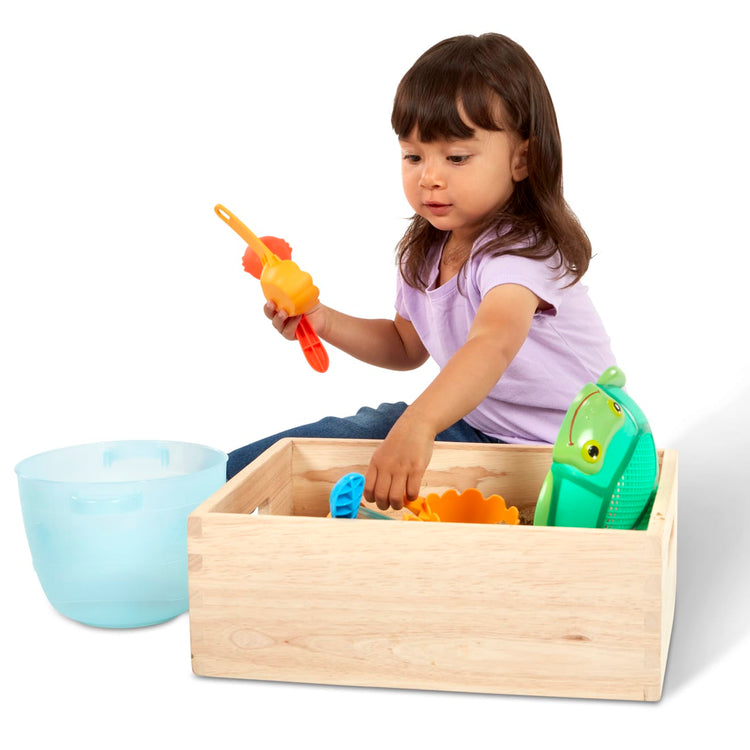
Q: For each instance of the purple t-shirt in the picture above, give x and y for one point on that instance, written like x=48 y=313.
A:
x=566 y=348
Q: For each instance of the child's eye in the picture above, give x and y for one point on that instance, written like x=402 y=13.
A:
x=455 y=159
x=412 y=158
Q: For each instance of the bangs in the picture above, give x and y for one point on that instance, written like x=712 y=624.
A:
x=432 y=97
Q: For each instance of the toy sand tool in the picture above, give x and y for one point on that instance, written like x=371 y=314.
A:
x=345 y=499
x=604 y=463
x=468 y=507
x=283 y=283
x=312 y=346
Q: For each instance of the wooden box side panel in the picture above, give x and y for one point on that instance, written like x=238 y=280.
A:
x=265 y=484
x=497 y=609
x=663 y=525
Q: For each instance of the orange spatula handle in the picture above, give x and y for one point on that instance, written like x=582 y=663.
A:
x=312 y=347
x=252 y=241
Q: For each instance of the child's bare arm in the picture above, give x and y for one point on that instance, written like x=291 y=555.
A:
x=393 y=344
x=498 y=332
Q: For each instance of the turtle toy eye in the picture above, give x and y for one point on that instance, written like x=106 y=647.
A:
x=591 y=451
x=615 y=407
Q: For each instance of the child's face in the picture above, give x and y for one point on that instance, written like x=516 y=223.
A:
x=457 y=184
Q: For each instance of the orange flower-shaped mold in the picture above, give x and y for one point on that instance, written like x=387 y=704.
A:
x=468 y=507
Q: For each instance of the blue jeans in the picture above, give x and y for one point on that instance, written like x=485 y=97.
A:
x=367 y=423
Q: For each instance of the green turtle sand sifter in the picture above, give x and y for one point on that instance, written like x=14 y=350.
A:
x=604 y=464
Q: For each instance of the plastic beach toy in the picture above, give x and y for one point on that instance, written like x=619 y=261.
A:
x=421 y=510
x=283 y=283
x=107 y=526
x=604 y=463
x=345 y=499
x=468 y=507
x=346 y=496
x=312 y=347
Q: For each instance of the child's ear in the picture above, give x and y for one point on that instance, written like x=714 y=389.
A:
x=519 y=165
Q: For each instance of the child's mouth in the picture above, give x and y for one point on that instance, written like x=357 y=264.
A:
x=438 y=209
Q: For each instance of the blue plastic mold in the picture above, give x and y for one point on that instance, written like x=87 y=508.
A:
x=346 y=496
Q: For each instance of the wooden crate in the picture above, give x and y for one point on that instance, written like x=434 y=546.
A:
x=288 y=594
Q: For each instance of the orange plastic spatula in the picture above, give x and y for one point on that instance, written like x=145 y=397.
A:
x=283 y=283
x=312 y=347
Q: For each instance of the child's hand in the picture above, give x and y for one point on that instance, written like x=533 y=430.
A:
x=398 y=465
x=287 y=324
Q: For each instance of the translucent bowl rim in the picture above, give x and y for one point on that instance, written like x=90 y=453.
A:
x=23 y=474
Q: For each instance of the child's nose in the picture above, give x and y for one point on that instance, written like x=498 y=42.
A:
x=431 y=177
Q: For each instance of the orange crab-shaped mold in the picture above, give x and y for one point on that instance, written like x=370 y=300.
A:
x=468 y=507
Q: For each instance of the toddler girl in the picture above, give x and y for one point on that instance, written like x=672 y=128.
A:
x=489 y=272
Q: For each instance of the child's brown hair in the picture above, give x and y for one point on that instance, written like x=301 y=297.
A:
x=475 y=72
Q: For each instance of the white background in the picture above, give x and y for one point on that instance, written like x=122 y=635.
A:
x=126 y=314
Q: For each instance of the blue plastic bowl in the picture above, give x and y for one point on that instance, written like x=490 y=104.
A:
x=107 y=526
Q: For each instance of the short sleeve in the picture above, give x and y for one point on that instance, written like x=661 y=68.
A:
x=540 y=276
x=400 y=303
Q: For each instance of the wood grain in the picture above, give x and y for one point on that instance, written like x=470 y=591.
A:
x=288 y=594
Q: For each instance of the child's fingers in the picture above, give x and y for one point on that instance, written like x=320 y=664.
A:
x=371 y=476
x=269 y=310
x=377 y=485
x=286 y=325
x=413 y=485
x=384 y=489
x=396 y=492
